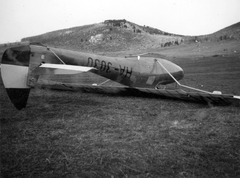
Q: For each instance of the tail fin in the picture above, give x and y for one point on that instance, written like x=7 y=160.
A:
x=14 y=71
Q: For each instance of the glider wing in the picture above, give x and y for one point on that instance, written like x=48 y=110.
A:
x=147 y=92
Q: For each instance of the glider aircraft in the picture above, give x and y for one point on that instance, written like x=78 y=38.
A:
x=22 y=65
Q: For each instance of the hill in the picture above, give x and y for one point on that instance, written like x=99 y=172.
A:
x=231 y=32
x=122 y=35
x=110 y=35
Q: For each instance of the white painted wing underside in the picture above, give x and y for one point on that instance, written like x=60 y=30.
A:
x=66 y=69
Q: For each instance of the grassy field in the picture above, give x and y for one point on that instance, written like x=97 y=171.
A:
x=74 y=134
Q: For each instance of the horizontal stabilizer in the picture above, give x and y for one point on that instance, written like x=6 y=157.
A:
x=61 y=69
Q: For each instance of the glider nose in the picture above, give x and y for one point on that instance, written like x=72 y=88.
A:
x=178 y=73
x=174 y=71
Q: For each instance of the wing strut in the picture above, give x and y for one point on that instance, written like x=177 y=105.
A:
x=56 y=55
x=185 y=86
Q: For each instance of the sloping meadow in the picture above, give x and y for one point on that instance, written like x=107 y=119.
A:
x=75 y=134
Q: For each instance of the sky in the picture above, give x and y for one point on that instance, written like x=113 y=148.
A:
x=24 y=18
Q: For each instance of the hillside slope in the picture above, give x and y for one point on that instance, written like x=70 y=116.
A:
x=110 y=35
x=231 y=32
x=117 y=36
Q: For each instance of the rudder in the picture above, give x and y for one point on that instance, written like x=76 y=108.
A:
x=14 y=72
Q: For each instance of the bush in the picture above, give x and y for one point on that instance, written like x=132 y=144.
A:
x=139 y=31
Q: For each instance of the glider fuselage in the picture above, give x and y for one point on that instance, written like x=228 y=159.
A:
x=133 y=72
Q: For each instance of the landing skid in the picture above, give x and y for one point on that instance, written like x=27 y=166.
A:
x=173 y=86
